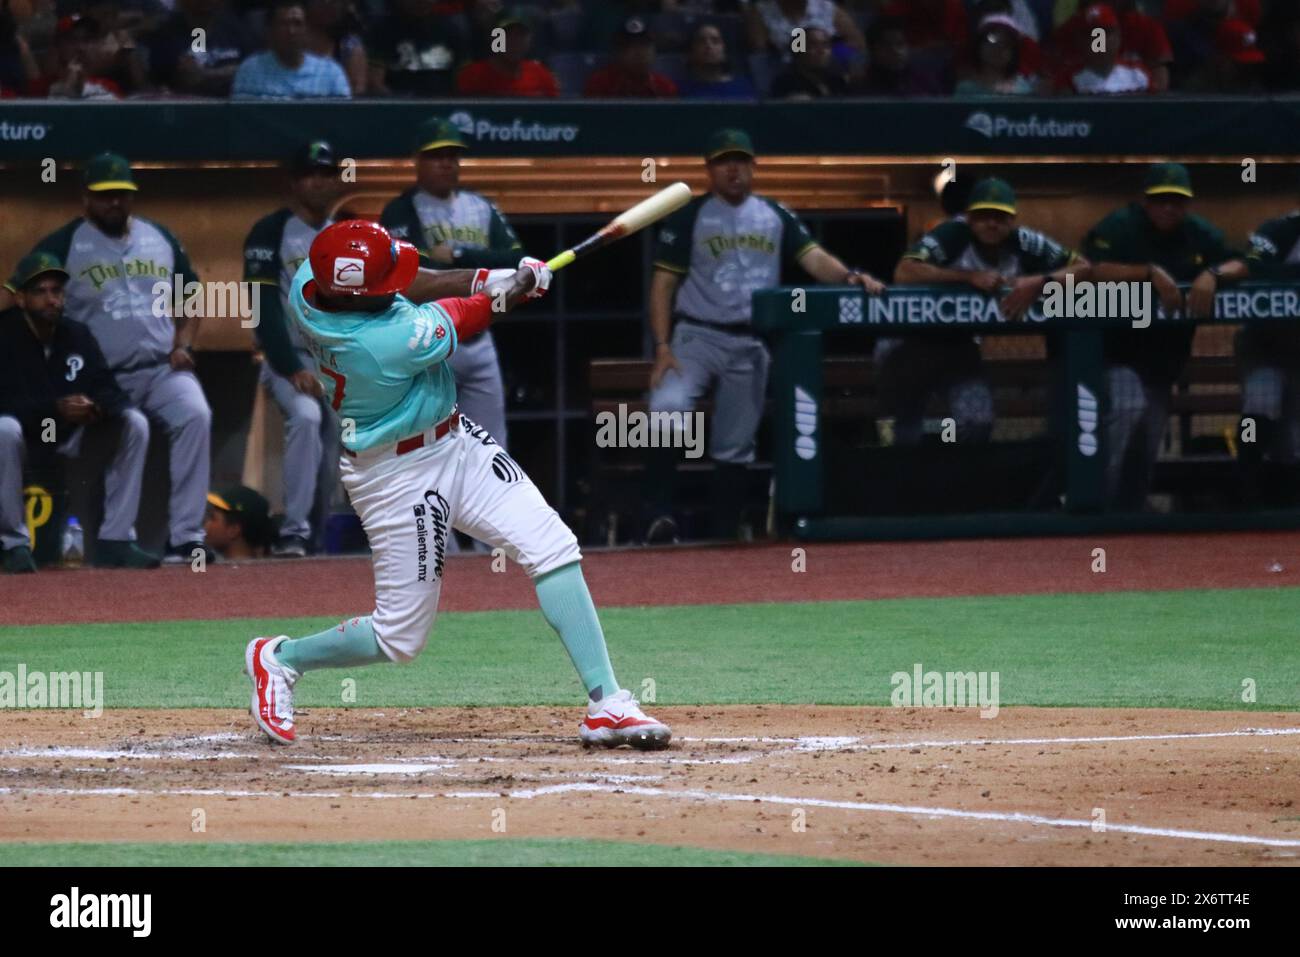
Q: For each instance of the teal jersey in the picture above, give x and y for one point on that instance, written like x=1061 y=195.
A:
x=385 y=372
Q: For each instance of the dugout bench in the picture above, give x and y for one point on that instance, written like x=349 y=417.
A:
x=808 y=392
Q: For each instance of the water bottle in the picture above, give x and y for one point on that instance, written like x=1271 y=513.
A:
x=74 y=544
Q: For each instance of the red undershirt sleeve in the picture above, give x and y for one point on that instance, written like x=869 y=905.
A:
x=470 y=315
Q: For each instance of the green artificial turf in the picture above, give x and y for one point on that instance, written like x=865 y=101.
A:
x=1178 y=649
x=559 y=852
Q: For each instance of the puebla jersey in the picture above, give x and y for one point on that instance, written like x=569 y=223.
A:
x=1027 y=252
x=111 y=286
x=465 y=221
x=727 y=252
x=385 y=373
x=276 y=246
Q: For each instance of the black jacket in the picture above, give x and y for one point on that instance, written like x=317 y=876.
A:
x=30 y=383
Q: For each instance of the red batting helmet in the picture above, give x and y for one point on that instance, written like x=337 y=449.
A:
x=359 y=258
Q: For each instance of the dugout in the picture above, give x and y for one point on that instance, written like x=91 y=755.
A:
x=859 y=171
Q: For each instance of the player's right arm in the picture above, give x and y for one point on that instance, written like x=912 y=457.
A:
x=663 y=287
x=926 y=262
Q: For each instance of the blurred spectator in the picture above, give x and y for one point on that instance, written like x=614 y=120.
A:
x=509 y=72
x=1281 y=35
x=82 y=63
x=18 y=69
x=180 y=62
x=890 y=68
x=122 y=22
x=1100 y=68
x=414 y=52
x=1141 y=36
x=939 y=25
x=602 y=21
x=238 y=523
x=812 y=74
x=1248 y=10
x=631 y=70
x=996 y=69
x=1026 y=23
x=285 y=69
x=708 y=71
x=1029 y=53
x=334 y=31
x=1194 y=31
x=770 y=24
x=1237 y=66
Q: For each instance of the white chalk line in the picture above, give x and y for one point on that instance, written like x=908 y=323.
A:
x=1000 y=817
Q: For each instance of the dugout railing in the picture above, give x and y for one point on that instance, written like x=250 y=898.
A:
x=811 y=392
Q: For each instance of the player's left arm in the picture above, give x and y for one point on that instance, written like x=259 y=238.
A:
x=1043 y=260
x=503 y=248
x=1224 y=265
x=825 y=266
x=187 y=327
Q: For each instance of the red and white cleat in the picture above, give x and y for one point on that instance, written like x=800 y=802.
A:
x=272 y=704
x=617 y=719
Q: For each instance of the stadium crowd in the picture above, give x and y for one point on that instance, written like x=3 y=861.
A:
x=714 y=49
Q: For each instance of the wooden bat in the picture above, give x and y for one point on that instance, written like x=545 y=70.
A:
x=644 y=213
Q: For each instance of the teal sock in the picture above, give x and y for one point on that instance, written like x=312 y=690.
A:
x=349 y=643
x=567 y=607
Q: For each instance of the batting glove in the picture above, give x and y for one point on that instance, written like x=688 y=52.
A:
x=541 y=275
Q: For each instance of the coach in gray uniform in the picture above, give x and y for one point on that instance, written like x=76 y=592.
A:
x=456 y=228
x=712 y=255
x=114 y=260
x=276 y=246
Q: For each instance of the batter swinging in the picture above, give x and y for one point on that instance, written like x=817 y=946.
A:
x=415 y=468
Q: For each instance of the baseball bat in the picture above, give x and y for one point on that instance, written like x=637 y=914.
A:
x=644 y=213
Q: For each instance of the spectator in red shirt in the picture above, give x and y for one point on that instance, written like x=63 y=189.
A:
x=84 y=59
x=1100 y=67
x=1143 y=36
x=631 y=72
x=1194 y=33
x=509 y=72
x=1238 y=63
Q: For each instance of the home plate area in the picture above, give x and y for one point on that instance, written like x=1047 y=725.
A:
x=899 y=786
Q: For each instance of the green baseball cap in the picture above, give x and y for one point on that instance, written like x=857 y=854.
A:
x=992 y=193
x=726 y=141
x=33 y=265
x=436 y=133
x=1168 y=178
x=316 y=155
x=249 y=504
x=109 y=171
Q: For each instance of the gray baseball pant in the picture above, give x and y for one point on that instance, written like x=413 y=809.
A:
x=736 y=366
x=311 y=448
x=1139 y=411
x=175 y=401
x=121 y=480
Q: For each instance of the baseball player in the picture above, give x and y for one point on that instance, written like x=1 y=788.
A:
x=1159 y=241
x=712 y=254
x=457 y=228
x=417 y=468
x=1269 y=357
x=54 y=387
x=984 y=248
x=276 y=246
x=114 y=259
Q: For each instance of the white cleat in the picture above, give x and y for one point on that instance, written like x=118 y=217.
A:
x=617 y=719
x=272 y=704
